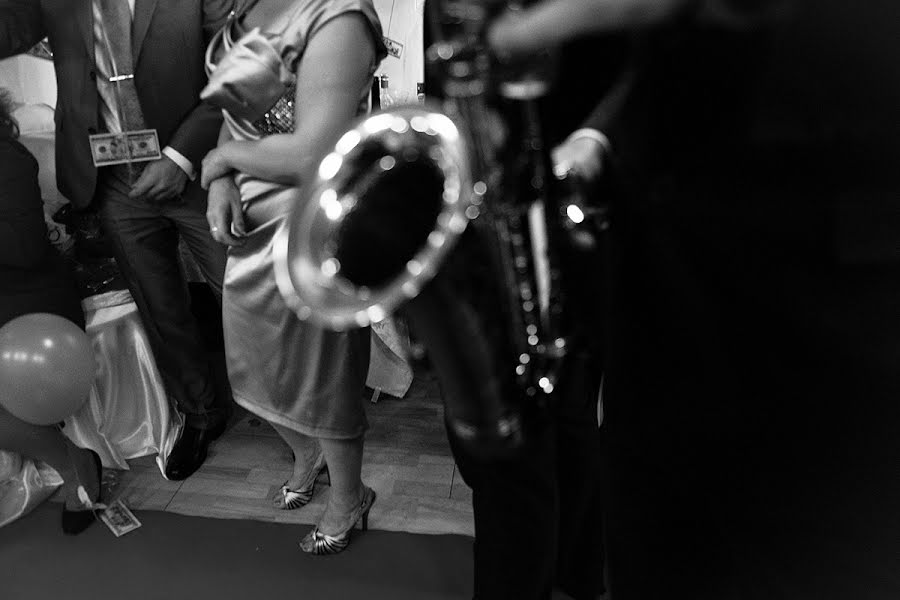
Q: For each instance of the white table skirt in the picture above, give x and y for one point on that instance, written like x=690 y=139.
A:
x=127 y=414
x=24 y=484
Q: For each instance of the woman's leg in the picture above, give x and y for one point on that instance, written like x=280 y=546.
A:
x=344 y=459
x=306 y=454
x=46 y=443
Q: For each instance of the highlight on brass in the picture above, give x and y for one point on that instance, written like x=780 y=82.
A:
x=387 y=204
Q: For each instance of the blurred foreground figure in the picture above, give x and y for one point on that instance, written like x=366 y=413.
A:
x=34 y=278
x=752 y=398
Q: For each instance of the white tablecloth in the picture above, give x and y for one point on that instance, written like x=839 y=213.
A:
x=127 y=414
x=24 y=484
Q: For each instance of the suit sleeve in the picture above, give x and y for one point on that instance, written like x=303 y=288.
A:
x=608 y=113
x=199 y=132
x=215 y=13
x=623 y=111
x=21 y=26
x=624 y=115
x=23 y=233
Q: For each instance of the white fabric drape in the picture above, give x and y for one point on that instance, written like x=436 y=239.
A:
x=127 y=414
x=389 y=368
x=23 y=485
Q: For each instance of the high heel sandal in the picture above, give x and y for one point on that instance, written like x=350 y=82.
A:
x=76 y=521
x=317 y=542
x=291 y=499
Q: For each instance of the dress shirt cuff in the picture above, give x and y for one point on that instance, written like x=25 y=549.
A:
x=597 y=136
x=179 y=159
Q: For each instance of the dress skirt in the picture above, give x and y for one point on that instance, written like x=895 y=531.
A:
x=287 y=371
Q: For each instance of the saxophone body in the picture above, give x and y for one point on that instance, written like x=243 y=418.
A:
x=449 y=215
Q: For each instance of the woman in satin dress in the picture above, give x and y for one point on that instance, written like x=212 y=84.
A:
x=306 y=381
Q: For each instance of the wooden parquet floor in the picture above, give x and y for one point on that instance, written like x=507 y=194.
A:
x=407 y=462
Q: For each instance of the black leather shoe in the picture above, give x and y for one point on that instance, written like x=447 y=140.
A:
x=76 y=521
x=190 y=450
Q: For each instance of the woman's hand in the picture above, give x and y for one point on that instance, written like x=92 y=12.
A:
x=214 y=167
x=224 y=213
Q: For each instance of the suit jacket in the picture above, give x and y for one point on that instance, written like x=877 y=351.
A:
x=169 y=41
x=810 y=99
x=587 y=69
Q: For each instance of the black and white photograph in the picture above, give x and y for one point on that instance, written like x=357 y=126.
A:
x=450 y=299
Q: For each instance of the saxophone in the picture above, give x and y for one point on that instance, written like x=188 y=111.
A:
x=450 y=215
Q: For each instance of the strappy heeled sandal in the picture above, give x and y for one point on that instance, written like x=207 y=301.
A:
x=290 y=499
x=317 y=542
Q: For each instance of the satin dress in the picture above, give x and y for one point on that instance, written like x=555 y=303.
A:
x=289 y=372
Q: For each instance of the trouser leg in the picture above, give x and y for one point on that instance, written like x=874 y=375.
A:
x=515 y=503
x=145 y=243
x=189 y=218
x=580 y=455
x=210 y=257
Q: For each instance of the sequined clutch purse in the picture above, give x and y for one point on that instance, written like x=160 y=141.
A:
x=249 y=78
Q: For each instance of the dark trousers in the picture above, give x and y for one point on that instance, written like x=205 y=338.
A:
x=145 y=240
x=752 y=408
x=538 y=522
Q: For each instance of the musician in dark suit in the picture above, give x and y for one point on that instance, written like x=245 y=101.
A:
x=538 y=518
x=137 y=66
x=751 y=400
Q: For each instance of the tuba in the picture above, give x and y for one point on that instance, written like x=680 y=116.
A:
x=449 y=214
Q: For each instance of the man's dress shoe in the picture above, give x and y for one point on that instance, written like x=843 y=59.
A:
x=190 y=450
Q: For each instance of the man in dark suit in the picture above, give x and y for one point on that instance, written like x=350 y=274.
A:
x=138 y=66
x=537 y=512
x=751 y=405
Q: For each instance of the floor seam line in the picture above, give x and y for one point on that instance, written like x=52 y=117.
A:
x=172 y=499
x=452 y=481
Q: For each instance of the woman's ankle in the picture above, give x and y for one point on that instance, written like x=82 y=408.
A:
x=342 y=511
x=305 y=468
x=346 y=502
